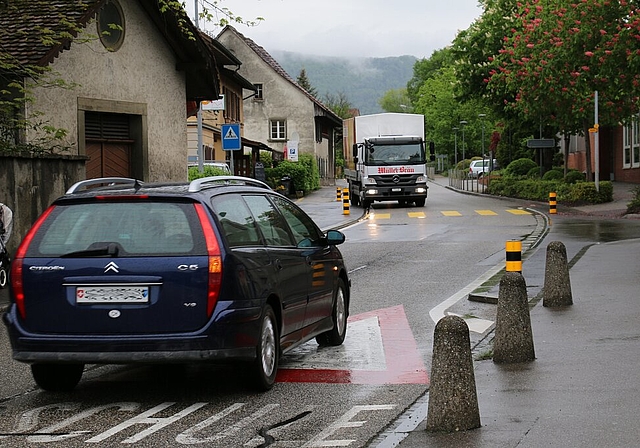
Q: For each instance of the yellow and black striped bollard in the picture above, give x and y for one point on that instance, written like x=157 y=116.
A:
x=552 y=203
x=514 y=256
x=338 y=194
x=345 y=201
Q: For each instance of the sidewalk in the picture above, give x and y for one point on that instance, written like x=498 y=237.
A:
x=582 y=389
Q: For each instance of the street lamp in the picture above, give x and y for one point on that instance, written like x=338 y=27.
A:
x=462 y=123
x=455 y=140
x=481 y=116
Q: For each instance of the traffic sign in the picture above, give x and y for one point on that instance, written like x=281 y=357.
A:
x=231 y=137
x=541 y=143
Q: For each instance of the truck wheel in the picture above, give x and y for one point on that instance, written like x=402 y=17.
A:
x=355 y=200
x=420 y=202
x=366 y=203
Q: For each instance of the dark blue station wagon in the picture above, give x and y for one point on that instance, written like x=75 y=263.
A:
x=220 y=269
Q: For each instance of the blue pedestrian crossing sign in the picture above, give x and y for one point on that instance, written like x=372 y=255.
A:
x=231 y=137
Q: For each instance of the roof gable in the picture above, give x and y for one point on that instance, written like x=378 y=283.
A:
x=275 y=66
x=25 y=25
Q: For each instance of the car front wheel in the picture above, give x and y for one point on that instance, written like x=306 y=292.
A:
x=265 y=366
x=57 y=377
x=336 y=335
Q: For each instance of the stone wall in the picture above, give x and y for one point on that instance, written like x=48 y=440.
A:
x=28 y=185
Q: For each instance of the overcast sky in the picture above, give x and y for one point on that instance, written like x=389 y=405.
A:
x=354 y=28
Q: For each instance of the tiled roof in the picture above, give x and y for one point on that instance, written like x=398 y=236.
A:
x=266 y=57
x=24 y=23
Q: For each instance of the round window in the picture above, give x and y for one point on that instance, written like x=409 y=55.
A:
x=111 y=25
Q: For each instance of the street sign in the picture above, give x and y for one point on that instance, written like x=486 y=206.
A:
x=231 y=137
x=541 y=143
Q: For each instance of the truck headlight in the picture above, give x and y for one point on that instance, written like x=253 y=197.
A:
x=421 y=179
x=421 y=190
x=371 y=192
x=369 y=181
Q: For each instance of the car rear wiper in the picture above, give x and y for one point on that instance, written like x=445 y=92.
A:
x=108 y=250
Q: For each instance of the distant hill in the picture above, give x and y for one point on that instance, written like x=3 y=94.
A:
x=362 y=80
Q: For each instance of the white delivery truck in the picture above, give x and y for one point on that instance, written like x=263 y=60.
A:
x=385 y=158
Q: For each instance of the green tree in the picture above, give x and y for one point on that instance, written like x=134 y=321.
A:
x=560 y=54
x=396 y=100
x=339 y=104
x=304 y=82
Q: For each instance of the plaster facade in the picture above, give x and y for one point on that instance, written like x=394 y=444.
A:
x=140 y=79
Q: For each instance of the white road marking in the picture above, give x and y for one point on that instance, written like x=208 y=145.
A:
x=320 y=440
x=476 y=325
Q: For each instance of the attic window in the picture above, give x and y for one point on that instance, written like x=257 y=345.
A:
x=110 y=22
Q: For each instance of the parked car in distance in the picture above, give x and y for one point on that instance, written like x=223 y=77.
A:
x=218 y=269
x=479 y=168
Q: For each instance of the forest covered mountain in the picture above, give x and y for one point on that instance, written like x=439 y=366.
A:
x=362 y=80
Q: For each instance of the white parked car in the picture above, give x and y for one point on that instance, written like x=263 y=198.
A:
x=479 y=168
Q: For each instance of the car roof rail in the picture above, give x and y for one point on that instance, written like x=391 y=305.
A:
x=102 y=180
x=203 y=182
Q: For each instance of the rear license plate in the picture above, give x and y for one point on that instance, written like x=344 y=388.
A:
x=396 y=190
x=112 y=294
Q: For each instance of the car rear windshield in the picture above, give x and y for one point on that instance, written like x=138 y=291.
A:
x=133 y=228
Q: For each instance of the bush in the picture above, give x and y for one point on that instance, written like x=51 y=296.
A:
x=304 y=173
x=521 y=167
x=585 y=192
x=207 y=171
x=534 y=173
x=633 y=207
x=553 y=175
x=574 y=176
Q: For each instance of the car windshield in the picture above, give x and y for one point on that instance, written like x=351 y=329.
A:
x=118 y=229
x=395 y=154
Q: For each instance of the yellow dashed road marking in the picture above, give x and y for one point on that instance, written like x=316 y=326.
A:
x=416 y=214
x=450 y=213
x=486 y=212
x=515 y=211
x=380 y=216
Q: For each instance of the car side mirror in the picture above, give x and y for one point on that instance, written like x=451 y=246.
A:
x=335 y=237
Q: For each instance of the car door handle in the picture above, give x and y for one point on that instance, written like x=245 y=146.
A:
x=309 y=261
x=278 y=265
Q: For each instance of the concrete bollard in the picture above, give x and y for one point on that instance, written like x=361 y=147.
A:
x=557 y=284
x=513 y=341
x=453 y=402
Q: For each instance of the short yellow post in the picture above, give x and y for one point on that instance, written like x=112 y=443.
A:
x=552 y=203
x=514 y=256
x=338 y=194
x=345 y=201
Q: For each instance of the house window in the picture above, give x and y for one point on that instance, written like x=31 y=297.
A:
x=110 y=22
x=631 y=144
x=278 y=130
x=232 y=105
x=258 y=95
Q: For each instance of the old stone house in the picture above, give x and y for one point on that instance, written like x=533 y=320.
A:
x=281 y=113
x=132 y=69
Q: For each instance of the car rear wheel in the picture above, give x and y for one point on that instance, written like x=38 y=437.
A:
x=57 y=377
x=337 y=334
x=265 y=367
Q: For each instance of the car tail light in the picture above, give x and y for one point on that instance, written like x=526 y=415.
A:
x=17 y=284
x=215 y=259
